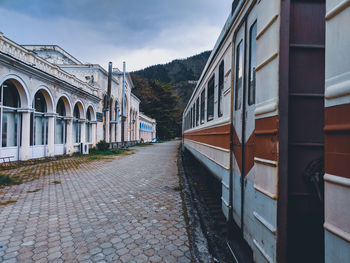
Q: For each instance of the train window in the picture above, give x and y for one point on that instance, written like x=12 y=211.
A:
x=202 y=106
x=252 y=64
x=197 y=112
x=221 y=88
x=188 y=123
x=210 y=99
x=187 y=126
x=194 y=114
x=191 y=118
x=239 y=76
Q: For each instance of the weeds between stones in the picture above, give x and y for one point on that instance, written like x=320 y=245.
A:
x=7 y=180
x=33 y=191
x=8 y=202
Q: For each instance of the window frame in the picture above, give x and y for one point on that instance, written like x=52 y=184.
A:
x=202 y=115
x=251 y=100
x=211 y=98
x=239 y=64
x=197 y=112
x=221 y=88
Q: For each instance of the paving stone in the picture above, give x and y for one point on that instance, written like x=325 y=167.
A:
x=54 y=256
x=25 y=257
x=183 y=260
x=98 y=257
x=141 y=259
x=106 y=245
x=120 y=209
x=69 y=256
x=10 y=255
x=11 y=260
x=40 y=255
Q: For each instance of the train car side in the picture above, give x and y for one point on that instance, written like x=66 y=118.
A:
x=269 y=117
x=337 y=132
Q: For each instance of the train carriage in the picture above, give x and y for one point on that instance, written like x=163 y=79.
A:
x=261 y=121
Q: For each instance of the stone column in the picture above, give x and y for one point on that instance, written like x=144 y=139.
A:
x=25 y=132
x=51 y=134
x=82 y=130
x=93 y=133
x=69 y=135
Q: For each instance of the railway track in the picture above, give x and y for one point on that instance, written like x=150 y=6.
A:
x=225 y=243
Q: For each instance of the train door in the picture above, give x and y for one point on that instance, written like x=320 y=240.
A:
x=238 y=118
x=248 y=128
x=244 y=125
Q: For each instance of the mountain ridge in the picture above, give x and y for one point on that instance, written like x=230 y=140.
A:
x=166 y=88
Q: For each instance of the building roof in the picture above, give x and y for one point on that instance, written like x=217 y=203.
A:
x=40 y=48
x=146 y=118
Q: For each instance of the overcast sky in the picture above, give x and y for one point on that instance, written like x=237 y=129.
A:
x=140 y=32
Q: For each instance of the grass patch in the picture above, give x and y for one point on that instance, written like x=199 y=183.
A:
x=7 y=180
x=146 y=144
x=117 y=151
x=33 y=191
x=165 y=140
x=33 y=162
x=8 y=202
x=57 y=182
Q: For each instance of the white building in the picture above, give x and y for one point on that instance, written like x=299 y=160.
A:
x=51 y=103
x=147 y=128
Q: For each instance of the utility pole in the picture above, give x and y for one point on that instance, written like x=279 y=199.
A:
x=123 y=108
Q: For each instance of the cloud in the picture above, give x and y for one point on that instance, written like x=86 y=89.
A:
x=141 y=32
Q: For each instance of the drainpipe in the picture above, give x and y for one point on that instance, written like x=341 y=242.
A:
x=123 y=107
x=109 y=106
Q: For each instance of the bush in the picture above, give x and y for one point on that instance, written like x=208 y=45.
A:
x=102 y=146
x=7 y=180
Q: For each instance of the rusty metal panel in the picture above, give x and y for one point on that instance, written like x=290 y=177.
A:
x=305 y=125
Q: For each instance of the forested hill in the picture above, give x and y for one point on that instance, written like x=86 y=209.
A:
x=165 y=89
x=178 y=70
x=181 y=73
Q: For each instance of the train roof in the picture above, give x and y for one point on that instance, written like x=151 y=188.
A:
x=236 y=7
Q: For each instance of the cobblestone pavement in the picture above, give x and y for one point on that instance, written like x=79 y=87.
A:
x=126 y=209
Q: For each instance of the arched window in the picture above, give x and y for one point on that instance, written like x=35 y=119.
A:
x=10 y=95
x=117 y=112
x=76 y=124
x=60 y=130
x=9 y=102
x=61 y=108
x=39 y=122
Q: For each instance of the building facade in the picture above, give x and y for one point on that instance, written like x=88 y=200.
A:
x=52 y=104
x=147 y=127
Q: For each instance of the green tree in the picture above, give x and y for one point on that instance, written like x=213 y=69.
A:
x=158 y=100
